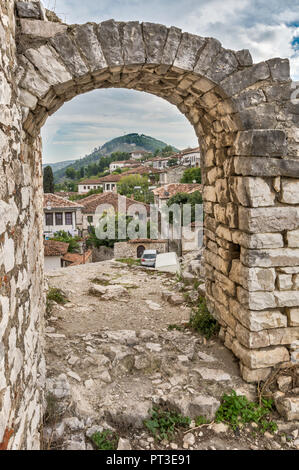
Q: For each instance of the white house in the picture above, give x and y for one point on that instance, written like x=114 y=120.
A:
x=53 y=254
x=59 y=214
x=138 y=154
x=124 y=164
x=190 y=157
x=86 y=185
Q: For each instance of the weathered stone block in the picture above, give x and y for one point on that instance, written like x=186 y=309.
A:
x=262 y=358
x=29 y=10
x=253 y=279
x=285 y=281
x=252 y=340
x=88 y=43
x=287 y=298
x=283 y=335
x=266 y=167
x=268 y=142
x=252 y=192
x=280 y=69
x=290 y=191
x=257 y=240
x=268 y=257
x=188 y=51
x=69 y=54
x=108 y=35
x=209 y=193
x=255 y=375
x=171 y=45
x=293 y=238
x=45 y=60
x=256 y=300
x=132 y=43
x=155 y=36
x=257 y=320
x=272 y=219
x=238 y=81
x=41 y=29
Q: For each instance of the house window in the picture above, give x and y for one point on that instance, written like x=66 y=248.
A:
x=49 y=219
x=90 y=219
x=84 y=187
x=68 y=218
x=58 y=218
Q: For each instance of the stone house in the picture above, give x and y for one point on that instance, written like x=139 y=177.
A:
x=54 y=252
x=164 y=193
x=90 y=205
x=171 y=174
x=135 y=248
x=138 y=154
x=59 y=214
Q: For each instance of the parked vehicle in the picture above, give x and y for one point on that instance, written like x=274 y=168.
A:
x=149 y=258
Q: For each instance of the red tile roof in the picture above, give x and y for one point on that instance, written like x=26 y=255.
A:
x=90 y=203
x=174 y=188
x=58 y=202
x=55 y=248
x=77 y=258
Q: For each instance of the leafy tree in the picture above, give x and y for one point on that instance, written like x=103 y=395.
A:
x=184 y=198
x=190 y=175
x=167 y=151
x=172 y=162
x=71 y=173
x=62 y=236
x=48 y=180
x=76 y=197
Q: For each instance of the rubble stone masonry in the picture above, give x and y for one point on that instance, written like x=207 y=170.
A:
x=247 y=125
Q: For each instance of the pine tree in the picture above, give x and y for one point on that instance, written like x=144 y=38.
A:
x=48 y=180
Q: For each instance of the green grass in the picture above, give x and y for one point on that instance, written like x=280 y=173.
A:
x=101 y=282
x=129 y=261
x=163 y=423
x=105 y=440
x=237 y=410
x=54 y=295
x=202 y=321
x=174 y=326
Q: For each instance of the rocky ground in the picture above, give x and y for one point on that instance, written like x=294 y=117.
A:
x=111 y=357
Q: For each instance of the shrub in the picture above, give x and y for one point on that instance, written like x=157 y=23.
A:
x=162 y=423
x=235 y=410
x=202 y=321
x=105 y=440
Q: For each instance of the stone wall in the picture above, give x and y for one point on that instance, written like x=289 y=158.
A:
x=129 y=249
x=247 y=127
x=21 y=258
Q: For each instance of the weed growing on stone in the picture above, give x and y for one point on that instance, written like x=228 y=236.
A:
x=101 y=282
x=129 y=261
x=163 y=423
x=200 y=420
x=105 y=440
x=54 y=295
x=202 y=321
x=236 y=410
x=174 y=326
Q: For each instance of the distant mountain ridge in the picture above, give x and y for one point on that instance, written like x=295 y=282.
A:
x=59 y=165
x=125 y=143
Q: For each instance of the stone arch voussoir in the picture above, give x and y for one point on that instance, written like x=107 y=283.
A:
x=246 y=118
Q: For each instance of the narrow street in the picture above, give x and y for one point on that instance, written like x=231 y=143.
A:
x=111 y=356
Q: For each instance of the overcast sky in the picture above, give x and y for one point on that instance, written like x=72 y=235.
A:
x=267 y=28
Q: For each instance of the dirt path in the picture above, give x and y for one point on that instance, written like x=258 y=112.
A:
x=111 y=357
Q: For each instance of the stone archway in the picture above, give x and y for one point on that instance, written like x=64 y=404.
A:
x=246 y=123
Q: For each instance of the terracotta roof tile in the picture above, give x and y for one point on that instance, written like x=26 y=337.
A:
x=58 y=202
x=90 y=203
x=55 y=248
x=174 y=188
x=77 y=258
